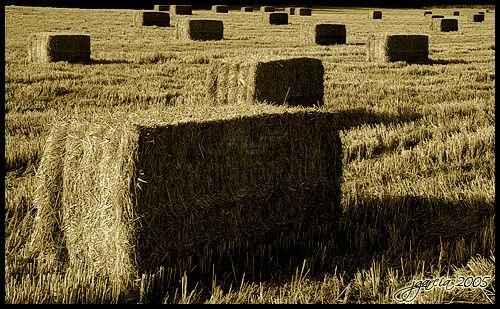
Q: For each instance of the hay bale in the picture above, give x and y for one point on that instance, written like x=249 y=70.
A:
x=426 y=13
x=161 y=7
x=437 y=16
x=274 y=80
x=303 y=11
x=53 y=46
x=129 y=193
x=199 y=29
x=482 y=13
x=290 y=11
x=247 y=9
x=328 y=34
x=152 y=18
x=220 y=8
x=477 y=18
x=456 y=13
x=177 y=10
x=275 y=18
x=398 y=47
x=266 y=9
x=375 y=15
x=445 y=24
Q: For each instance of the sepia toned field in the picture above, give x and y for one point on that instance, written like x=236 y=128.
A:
x=418 y=155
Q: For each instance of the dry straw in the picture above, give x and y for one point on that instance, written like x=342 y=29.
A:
x=477 y=18
x=267 y=9
x=274 y=80
x=397 y=47
x=152 y=18
x=199 y=29
x=328 y=34
x=220 y=8
x=275 y=18
x=161 y=7
x=247 y=9
x=375 y=15
x=123 y=194
x=290 y=11
x=445 y=24
x=303 y=11
x=52 y=46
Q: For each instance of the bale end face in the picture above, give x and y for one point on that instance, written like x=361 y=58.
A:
x=152 y=18
x=161 y=7
x=392 y=48
x=303 y=11
x=328 y=34
x=376 y=15
x=199 y=29
x=478 y=18
x=275 y=18
x=266 y=9
x=247 y=9
x=445 y=24
x=52 y=47
x=220 y=8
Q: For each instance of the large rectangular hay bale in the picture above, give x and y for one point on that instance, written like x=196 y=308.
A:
x=131 y=192
x=302 y=11
x=199 y=29
x=427 y=13
x=220 y=8
x=275 y=18
x=152 y=18
x=445 y=24
x=375 y=15
x=247 y=9
x=274 y=80
x=266 y=9
x=456 y=13
x=328 y=34
x=477 y=18
x=290 y=11
x=162 y=7
x=53 y=46
x=397 y=47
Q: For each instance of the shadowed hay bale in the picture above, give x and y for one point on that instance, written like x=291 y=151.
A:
x=327 y=34
x=399 y=47
x=482 y=13
x=199 y=29
x=247 y=9
x=375 y=15
x=161 y=7
x=274 y=80
x=290 y=11
x=427 y=13
x=220 y=8
x=303 y=11
x=52 y=46
x=131 y=192
x=456 y=13
x=437 y=16
x=267 y=9
x=445 y=24
x=478 y=18
x=152 y=18
x=275 y=18
x=176 y=10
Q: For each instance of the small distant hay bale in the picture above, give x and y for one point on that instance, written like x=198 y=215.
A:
x=456 y=13
x=290 y=11
x=482 y=13
x=437 y=16
x=247 y=9
x=152 y=18
x=220 y=8
x=427 y=13
x=274 y=80
x=303 y=11
x=122 y=195
x=275 y=18
x=53 y=46
x=328 y=34
x=161 y=7
x=266 y=9
x=445 y=24
x=477 y=18
x=397 y=47
x=199 y=29
x=375 y=15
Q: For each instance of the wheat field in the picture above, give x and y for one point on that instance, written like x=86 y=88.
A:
x=417 y=143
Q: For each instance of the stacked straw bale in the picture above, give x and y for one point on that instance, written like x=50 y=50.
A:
x=247 y=9
x=456 y=13
x=375 y=15
x=290 y=11
x=302 y=11
x=266 y=9
x=220 y=8
x=427 y=13
x=477 y=18
x=152 y=18
x=275 y=18
x=445 y=24
x=123 y=194
x=53 y=46
x=199 y=29
x=397 y=47
x=273 y=80
x=328 y=34
x=162 y=7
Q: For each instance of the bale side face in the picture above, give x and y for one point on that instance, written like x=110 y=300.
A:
x=376 y=15
x=478 y=18
x=445 y=24
x=290 y=11
x=247 y=9
x=267 y=9
x=52 y=47
x=180 y=9
x=275 y=18
x=391 y=48
x=220 y=8
x=303 y=11
x=328 y=34
x=456 y=13
x=152 y=18
x=427 y=13
x=161 y=7
x=199 y=29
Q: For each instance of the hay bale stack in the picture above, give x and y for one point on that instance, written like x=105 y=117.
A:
x=247 y=9
x=220 y=8
x=398 y=47
x=427 y=13
x=152 y=18
x=437 y=16
x=290 y=11
x=477 y=18
x=274 y=80
x=328 y=34
x=161 y=7
x=456 y=13
x=266 y=9
x=52 y=47
x=445 y=24
x=375 y=15
x=199 y=29
x=133 y=192
x=303 y=11
x=275 y=18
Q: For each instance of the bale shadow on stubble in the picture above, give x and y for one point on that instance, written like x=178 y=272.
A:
x=447 y=61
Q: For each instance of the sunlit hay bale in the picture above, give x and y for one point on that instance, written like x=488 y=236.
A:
x=247 y=9
x=199 y=29
x=161 y=7
x=273 y=80
x=437 y=16
x=303 y=11
x=375 y=15
x=478 y=18
x=134 y=191
x=220 y=8
x=426 y=13
x=328 y=34
x=445 y=24
x=399 y=47
x=152 y=18
x=266 y=9
x=177 y=10
x=290 y=11
x=275 y=18
x=52 y=46
x=456 y=13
